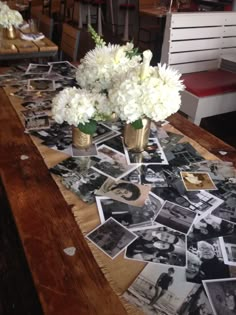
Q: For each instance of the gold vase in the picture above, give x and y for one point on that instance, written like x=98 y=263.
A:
x=80 y=139
x=137 y=139
x=11 y=32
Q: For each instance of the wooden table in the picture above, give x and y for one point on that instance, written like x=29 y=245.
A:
x=66 y=285
x=13 y=49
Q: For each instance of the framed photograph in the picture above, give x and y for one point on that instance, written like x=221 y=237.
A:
x=34 y=68
x=221 y=294
x=228 y=247
x=197 y=181
x=112 y=163
x=156 y=290
x=176 y=217
x=158 y=244
x=128 y=215
x=111 y=237
x=153 y=154
x=41 y=85
x=127 y=192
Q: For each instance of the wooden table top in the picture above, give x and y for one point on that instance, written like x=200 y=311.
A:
x=19 y=48
x=158 y=12
x=66 y=285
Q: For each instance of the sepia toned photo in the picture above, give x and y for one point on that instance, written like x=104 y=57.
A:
x=127 y=192
x=197 y=181
x=111 y=237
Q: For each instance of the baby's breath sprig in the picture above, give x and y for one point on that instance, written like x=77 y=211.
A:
x=97 y=39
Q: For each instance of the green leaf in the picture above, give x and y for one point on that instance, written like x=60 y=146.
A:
x=88 y=128
x=137 y=124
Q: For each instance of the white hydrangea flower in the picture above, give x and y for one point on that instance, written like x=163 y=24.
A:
x=9 y=17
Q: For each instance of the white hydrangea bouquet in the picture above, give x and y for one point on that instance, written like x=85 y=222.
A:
x=9 y=17
x=146 y=92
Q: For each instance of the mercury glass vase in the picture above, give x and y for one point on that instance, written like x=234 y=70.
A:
x=80 y=139
x=11 y=32
x=137 y=139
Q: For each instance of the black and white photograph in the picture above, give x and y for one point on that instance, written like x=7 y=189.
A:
x=228 y=247
x=112 y=163
x=158 y=244
x=227 y=192
x=218 y=170
x=182 y=154
x=35 y=120
x=38 y=105
x=222 y=295
x=128 y=215
x=152 y=175
x=157 y=132
x=71 y=166
x=41 y=85
x=153 y=154
x=103 y=133
x=111 y=237
x=114 y=143
x=64 y=68
x=205 y=261
x=169 y=142
x=210 y=226
x=161 y=289
x=176 y=217
x=91 y=151
x=34 y=68
x=126 y=192
x=197 y=181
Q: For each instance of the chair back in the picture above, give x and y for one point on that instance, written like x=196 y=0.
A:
x=46 y=25
x=195 y=41
x=70 y=41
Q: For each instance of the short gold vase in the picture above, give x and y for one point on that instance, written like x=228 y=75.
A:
x=11 y=32
x=80 y=139
x=137 y=139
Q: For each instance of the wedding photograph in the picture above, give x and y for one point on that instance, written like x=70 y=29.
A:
x=111 y=237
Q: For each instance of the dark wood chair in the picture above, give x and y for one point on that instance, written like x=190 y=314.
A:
x=46 y=25
x=69 y=41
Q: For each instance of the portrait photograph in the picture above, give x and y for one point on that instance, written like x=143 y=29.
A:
x=111 y=237
x=156 y=290
x=228 y=247
x=158 y=244
x=112 y=163
x=152 y=154
x=124 y=191
x=197 y=181
x=41 y=85
x=222 y=295
x=176 y=217
x=34 y=68
x=128 y=215
x=205 y=261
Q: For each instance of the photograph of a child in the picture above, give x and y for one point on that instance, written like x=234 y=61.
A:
x=158 y=244
x=128 y=215
x=176 y=217
x=222 y=295
x=124 y=191
x=111 y=237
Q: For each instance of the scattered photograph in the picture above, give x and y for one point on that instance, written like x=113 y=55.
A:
x=35 y=120
x=91 y=151
x=205 y=261
x=128 y=215
x=41 y=85
x=153 y=154
x=197 y=181
x=127 y=192
x=210 y=226
x=103 y=133
x=222 y=295
x=111 y=237
x=157 y=132
x=169 y=142
x=38 y=105
x=112 y=163
x=158 y=244
x=228 y=247
x=156 y=290
x=34 y=68
x=176 y=217
x=64 y=68
x=114 y=143
x=182 y=154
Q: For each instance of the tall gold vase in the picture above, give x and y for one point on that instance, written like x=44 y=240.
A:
x=137 y=139
x=11 y=32
x=80 y=139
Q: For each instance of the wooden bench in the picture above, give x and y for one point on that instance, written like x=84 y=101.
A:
x=194 y=43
